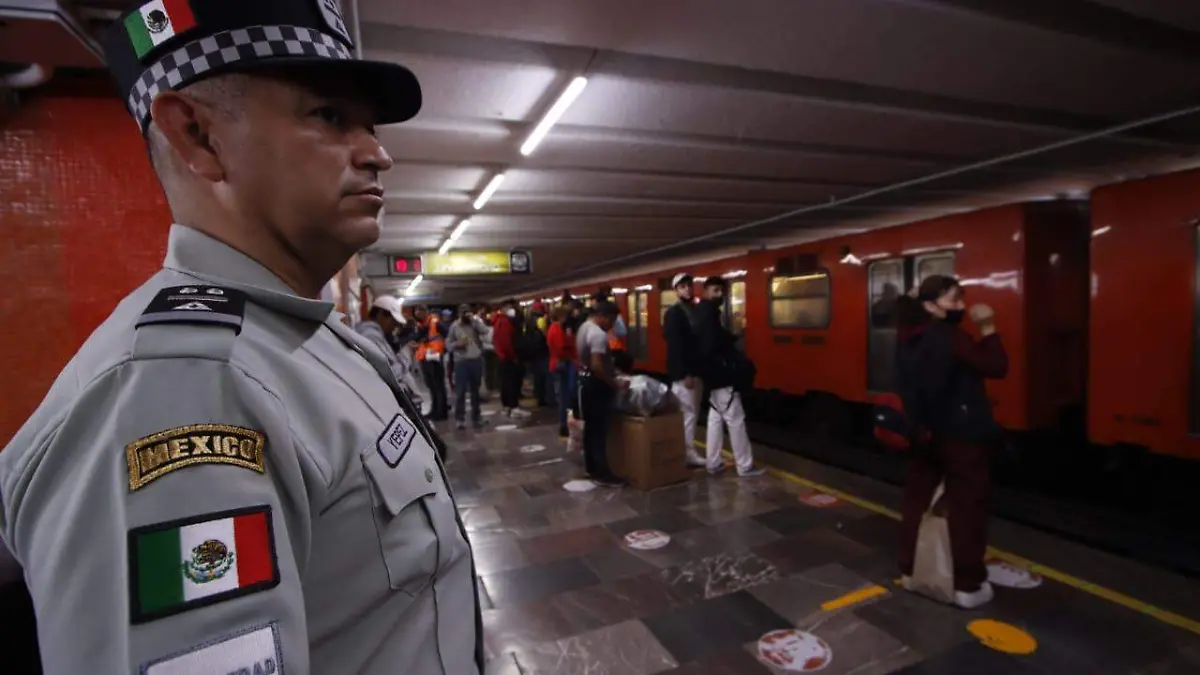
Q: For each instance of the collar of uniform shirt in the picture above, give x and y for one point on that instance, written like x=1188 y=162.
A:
x=196 y=254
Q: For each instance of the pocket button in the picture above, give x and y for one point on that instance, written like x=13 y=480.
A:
x=428 y=475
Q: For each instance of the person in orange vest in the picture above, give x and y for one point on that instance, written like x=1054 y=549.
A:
x=430 y=338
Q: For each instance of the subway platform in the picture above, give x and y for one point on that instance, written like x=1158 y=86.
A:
x=783 y=573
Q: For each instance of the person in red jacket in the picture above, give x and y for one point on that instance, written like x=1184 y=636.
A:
x=564 y=358
x=504 y=339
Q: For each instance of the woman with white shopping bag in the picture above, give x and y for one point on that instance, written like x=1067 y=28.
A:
x=940 y=371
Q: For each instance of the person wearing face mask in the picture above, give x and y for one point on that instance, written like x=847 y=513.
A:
x=507 y=331
x=465 y=343
x=940 y=373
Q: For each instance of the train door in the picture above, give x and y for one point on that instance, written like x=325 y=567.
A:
x=636 y=311
x=1194 y=421
x=887 y=280
x=735 y=312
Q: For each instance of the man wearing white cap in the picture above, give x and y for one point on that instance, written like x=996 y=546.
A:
x=683 y=366
x=384 y=317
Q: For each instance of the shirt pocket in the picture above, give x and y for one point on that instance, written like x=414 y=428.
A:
x=401 y=497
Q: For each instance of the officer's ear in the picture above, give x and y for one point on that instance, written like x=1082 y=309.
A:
x=185 y=124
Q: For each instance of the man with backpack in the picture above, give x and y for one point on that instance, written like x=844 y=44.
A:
x=535 y=354
x=727 y=372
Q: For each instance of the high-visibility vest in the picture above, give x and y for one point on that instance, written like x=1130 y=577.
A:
x=615 y=344
x=434 y=345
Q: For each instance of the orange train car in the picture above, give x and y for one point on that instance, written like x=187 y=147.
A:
x=1144 y=386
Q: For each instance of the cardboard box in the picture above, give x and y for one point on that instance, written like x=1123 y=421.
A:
x=648 y=451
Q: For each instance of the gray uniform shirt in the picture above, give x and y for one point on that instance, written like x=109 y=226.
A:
x=593 y=340
x=466 y=340
x=202 y=497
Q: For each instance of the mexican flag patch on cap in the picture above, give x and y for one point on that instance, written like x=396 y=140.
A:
x=184 y=564
x=156 y=22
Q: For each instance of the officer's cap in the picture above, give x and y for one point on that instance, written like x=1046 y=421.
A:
x=169 y=44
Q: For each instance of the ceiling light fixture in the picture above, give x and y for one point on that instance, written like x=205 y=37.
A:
x=412 y=285
x=489 y=191
x=445 y=247
x=462 y=227
x=555 y=113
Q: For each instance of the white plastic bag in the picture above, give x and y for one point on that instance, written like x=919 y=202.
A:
x=645 y=396
x=933 y=568
x=574 y=433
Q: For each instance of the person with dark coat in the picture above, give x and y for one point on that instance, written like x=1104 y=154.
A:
x=683 y=366
x=940 y=373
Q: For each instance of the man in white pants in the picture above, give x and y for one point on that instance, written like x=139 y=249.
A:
x=679 y=329
x=715 y=345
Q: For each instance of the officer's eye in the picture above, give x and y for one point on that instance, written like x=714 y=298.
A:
x=330 y=115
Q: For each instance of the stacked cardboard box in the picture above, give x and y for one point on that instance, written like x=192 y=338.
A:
x=648 y=451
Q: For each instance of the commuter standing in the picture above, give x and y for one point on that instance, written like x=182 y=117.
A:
x=465 y=343
x=385 y=321
x=226 y=478
x=536 y=355
x=683 y=366
x=430 y=339
x=940 y=373
x=507 y=333
x=717 y=352
x=560 y=340
x=598 y=387
x=490 y=364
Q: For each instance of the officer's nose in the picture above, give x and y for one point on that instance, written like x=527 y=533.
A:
x=369 y=153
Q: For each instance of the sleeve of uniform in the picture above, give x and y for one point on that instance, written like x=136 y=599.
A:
x=163 y=523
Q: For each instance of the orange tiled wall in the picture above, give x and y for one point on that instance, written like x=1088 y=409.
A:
x=82 y=222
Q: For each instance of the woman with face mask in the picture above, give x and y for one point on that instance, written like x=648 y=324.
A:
x=940 y=373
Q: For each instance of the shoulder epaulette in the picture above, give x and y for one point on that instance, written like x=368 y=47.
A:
x=196 y=304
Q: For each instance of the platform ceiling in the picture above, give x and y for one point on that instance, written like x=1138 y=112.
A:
x=704 y=115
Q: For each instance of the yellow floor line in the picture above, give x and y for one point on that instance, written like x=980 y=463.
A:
x=1126 y=601
x=854 y=598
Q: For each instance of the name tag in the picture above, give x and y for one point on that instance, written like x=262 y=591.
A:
x=396 y=439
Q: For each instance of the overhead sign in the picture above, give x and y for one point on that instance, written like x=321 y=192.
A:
x=407 y=265
x=470 y=263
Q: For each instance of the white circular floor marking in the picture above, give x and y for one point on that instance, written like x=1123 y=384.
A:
x=506 y=427
x=794 y=651
x=819 y=499
x=529 y=449
x=579 y=486
x=647 y=540
x=1004 y=574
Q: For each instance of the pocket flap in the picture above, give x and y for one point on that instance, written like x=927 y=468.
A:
x=410 y=480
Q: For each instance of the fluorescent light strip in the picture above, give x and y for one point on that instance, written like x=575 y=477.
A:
x=412 y=285
x=462 y=227
x=445 y=247
x=555 y=113
x=488 y=191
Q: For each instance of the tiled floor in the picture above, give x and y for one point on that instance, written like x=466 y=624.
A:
x=563 y=594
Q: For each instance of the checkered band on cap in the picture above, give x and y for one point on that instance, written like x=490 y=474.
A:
x=220 y=49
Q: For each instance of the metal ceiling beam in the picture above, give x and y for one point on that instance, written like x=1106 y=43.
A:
x=1087 y=20
x=835 y=93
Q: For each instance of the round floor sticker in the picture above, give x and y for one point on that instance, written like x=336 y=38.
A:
x=819 y=499
x=647 y=540
x=529 y=449
x=488 y=413
x=579 y=486
x=506 y=427
x=794 y=651
x=1008 y=575
x=1002 y=637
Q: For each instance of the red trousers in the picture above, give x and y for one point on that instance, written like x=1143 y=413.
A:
x=964 y=468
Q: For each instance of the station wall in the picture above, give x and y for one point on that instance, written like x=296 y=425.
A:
x=82 y=222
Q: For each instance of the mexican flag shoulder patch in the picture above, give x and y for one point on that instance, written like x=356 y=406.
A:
x=183 y=564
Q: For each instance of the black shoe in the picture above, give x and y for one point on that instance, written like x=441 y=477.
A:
x=609 y=481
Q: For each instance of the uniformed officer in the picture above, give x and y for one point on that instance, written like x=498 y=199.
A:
x=225 y=478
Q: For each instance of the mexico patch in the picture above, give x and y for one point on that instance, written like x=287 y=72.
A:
x=253 y=651
x=159 y=454
x=180 y=565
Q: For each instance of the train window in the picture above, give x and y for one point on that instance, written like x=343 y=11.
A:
x=1195 y=416
x=665 y=300
x=643 y=325
x=934 y=263
x=635 y=321
x=800 y=301
x=886 y=281
x=735 y=311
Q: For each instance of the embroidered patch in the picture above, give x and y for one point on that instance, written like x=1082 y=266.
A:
x=184 y=564
x=159 y=454
x=331 y=13
x=396 y=439
x=196 y=304
x=253 y=651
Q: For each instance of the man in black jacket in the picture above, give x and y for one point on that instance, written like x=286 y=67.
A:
x=683 y=364
x=715 y=352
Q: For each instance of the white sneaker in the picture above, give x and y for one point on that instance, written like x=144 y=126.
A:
x=695 y=462
x=906 y=582
x=975 y=599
